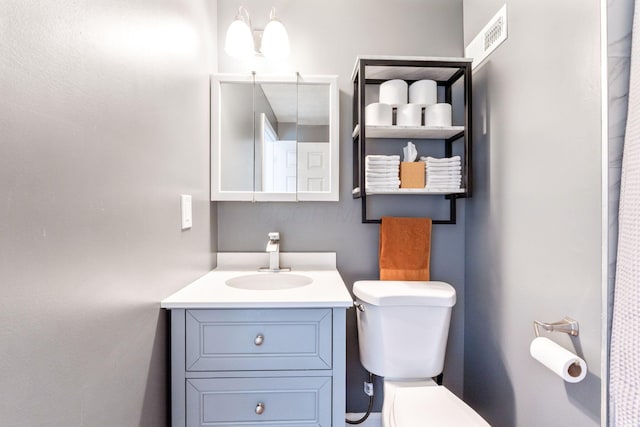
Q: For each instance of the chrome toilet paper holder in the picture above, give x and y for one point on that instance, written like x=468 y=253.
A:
x=567 y=325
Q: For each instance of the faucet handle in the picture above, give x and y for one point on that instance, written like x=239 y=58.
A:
x=274 y=236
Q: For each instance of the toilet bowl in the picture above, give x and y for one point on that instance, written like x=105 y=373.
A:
x=402 y=334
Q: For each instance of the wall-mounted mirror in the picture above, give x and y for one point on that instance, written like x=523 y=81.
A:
x=274 y=138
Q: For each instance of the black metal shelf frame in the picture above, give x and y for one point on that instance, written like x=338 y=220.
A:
x=359 y=139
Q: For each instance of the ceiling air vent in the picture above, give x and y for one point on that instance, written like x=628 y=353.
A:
x=491 y=36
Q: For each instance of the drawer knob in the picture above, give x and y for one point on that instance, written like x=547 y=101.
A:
x=260 y=408
x=258 y=341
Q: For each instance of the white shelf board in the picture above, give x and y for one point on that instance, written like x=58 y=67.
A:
x=415 y=191
x=424 y=132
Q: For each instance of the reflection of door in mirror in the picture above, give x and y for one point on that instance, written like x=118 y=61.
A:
x=278 y=160
x=313 y=166
x=313 y=128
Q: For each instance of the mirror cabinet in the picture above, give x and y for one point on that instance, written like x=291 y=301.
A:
x=274 y=138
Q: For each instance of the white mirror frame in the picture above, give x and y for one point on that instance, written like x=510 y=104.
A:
x=217 y=194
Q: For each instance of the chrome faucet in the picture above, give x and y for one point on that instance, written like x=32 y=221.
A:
x=273 y=249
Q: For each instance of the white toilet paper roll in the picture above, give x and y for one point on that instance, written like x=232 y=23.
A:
x=559 y=360
x=409 y=115
x=423 y=92
x=437 y=115
x=393 y=92
x=378 y=114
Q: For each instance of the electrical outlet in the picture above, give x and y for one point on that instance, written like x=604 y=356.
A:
x=368 y=388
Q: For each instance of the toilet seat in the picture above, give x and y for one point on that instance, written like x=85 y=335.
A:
x=432 y=406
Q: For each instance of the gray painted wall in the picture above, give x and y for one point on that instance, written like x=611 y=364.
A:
x=103 y=124
x=326 y=37
x=534 y=223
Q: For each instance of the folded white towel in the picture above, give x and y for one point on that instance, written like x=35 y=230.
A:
x=448 y=174
x=382 y=181
x=444 y=178
x=443 y=169
x=440 y=160
x=382 y=162
x=381 y=175
x=443 y=164
x=442 y=187
x=380 y=168
x=382 y=187
x=444 y=184
x=383 y=157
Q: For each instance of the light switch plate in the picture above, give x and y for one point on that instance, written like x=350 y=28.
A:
x=185 y=205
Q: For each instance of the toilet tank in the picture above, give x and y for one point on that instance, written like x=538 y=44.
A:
x=403 y=327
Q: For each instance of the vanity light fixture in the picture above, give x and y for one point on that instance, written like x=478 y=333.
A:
x=240 y=37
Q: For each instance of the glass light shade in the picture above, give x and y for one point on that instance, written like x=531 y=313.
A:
x=275 y=41
x=239 y=41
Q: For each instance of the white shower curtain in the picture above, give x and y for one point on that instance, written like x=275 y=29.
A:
x=624 y=379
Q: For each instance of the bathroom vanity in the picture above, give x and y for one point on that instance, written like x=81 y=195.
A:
x=251 y=348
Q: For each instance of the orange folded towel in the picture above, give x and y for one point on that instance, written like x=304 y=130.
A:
x=405 y=248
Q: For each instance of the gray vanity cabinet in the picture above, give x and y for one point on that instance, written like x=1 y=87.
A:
x=253 y=367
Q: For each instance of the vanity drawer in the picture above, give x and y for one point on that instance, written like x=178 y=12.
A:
x=277 y=401
x=237 y=340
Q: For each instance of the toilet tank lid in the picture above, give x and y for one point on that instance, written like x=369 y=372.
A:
x=392 y=292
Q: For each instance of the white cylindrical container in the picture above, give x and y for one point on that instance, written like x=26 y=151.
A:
x=559 y=360
x=437 y=115
x=378 y=114
x=409 y=115
x=393 y=92
x=423 y=92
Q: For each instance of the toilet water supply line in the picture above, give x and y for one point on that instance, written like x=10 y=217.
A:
x=369 y=390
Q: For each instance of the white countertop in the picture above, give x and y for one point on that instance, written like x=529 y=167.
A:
x=210 y=291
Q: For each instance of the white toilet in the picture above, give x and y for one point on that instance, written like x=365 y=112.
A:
x=402 y=332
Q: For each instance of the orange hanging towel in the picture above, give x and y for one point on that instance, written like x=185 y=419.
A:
x=405 y=248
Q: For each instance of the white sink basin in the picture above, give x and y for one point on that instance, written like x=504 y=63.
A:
x=269 y=281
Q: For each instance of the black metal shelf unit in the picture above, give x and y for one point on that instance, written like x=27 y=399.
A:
x=374 y=70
